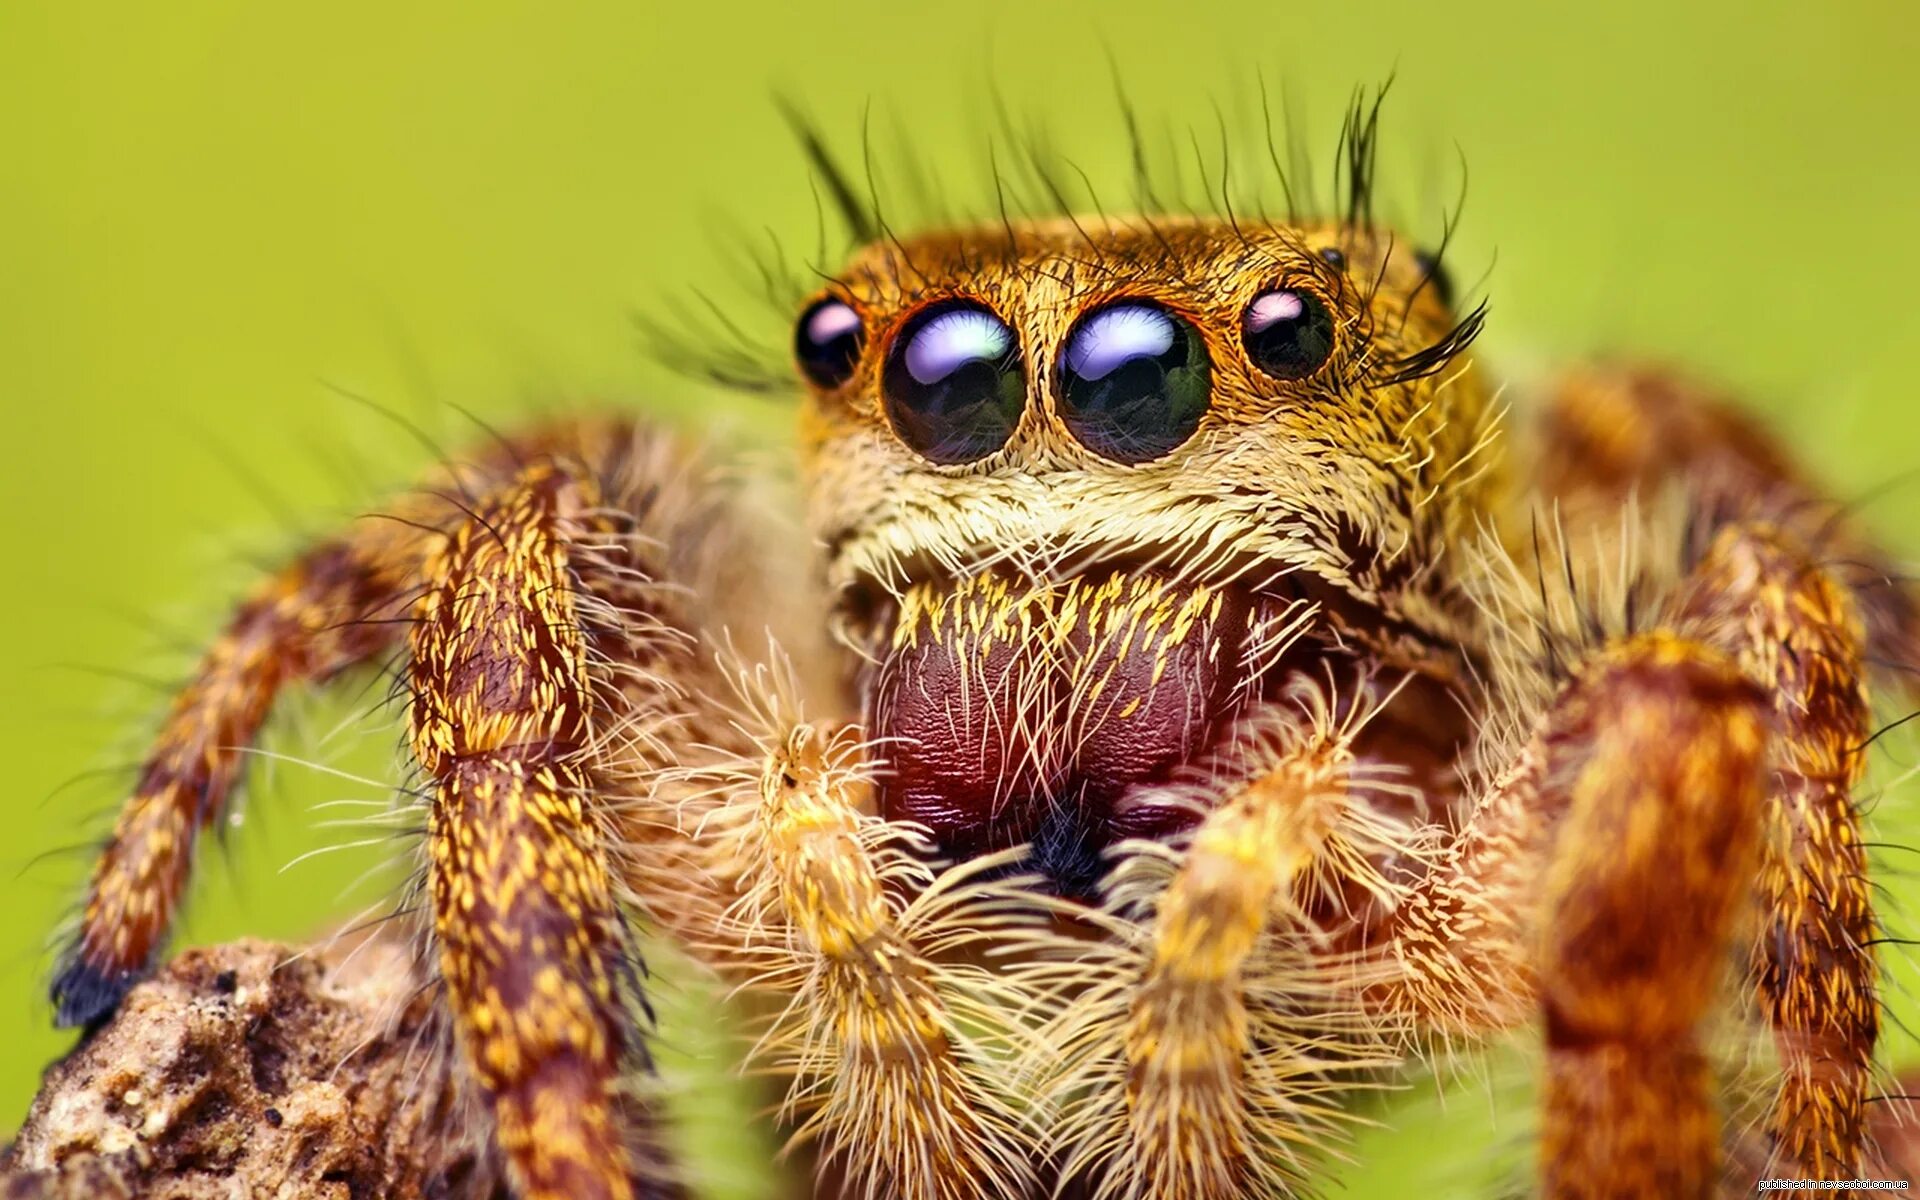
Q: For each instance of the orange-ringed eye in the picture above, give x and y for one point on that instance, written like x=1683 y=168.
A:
x=1134 y=381
x=954 y=385
x=1288 y=334
x=827 y=343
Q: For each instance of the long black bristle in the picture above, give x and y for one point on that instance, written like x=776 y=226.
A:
x=1359 y=156
x=1435 y=357
x=862 y=224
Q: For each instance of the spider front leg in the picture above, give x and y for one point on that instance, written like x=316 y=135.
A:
x=535 y=631
x=333 y=608
x=1636 y=800
x=1659 y=755
x=533 y=947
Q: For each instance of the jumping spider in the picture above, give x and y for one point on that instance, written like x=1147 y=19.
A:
x=1220 y=711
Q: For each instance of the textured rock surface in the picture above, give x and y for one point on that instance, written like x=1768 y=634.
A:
x=241 y=1071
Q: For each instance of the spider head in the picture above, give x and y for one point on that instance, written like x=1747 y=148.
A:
x=1088 y=494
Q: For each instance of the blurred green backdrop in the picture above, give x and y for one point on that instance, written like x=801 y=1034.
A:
x=216 y=217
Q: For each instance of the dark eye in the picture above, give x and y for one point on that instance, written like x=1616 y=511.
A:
x=953 y=384
x=827 y=343
x=1288 y=334
x=1436 y=274
x=1134 y=381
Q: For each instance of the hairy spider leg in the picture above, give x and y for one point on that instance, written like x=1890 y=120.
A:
x=509 y=581
x=532 y=945
x=1660 y=753
x=1794 y=629
x=1464 y=943
x=1787 y=583
x=333 y=608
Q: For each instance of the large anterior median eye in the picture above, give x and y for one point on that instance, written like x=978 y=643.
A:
x=953 y=383
x=1134 y=381
x=827 y=343
x=1288 y=334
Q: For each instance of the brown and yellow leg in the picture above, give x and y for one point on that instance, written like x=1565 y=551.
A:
x=1787 y=584
x=1462 y=944
x=334 y=607
x=532 y=946
x=1794 y=628
x=329 y=610
x=1661 y=759
x=534 y=631
x=1598 y=881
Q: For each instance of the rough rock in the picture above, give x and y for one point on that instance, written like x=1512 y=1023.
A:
x=249 y=1070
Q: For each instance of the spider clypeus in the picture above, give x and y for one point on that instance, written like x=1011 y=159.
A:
x=1221 y=711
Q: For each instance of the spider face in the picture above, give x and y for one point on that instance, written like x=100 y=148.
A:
x=1075 y=483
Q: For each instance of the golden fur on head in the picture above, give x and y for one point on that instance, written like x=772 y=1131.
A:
x=1361 y=474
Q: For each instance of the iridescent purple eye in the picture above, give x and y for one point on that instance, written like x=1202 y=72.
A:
x=954 y=384
x=1134 y=381
x=1288 y=334
x=827 y=343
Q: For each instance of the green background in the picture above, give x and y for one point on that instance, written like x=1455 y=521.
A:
x=216 y=218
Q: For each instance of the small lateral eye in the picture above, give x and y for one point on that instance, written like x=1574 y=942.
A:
x=954 y=385
x=1134 y=381
x=828 y=341
x=1434 y=271
x=1288 y=333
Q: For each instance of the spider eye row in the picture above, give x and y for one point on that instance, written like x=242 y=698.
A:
x=1135 y=377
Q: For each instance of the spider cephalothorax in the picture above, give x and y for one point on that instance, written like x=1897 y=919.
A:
x=1224 y=713
x=1077 y=488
